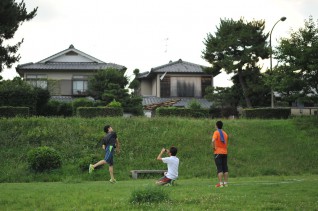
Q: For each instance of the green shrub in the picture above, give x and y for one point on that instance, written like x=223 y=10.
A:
x=267 y=113
x=90 y=112
x=182 y=112
x=82 y=102
x=114 y=104
x=57 y=108
x=194 y=104
x=229 y=111
x=44 y=158
x=149 y=195
x=85 y=161
x=9 y=111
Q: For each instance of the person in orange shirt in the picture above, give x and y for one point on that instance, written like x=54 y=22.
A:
x=219 y=145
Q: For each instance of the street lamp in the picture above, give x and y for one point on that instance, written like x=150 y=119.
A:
x=270 y=58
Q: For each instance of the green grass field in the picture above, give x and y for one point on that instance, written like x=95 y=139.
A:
x=246 y=193
x=272 y=164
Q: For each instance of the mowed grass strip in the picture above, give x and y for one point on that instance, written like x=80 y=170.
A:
x=246 y=193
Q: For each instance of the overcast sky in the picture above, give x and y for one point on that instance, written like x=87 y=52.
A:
x=145 y=33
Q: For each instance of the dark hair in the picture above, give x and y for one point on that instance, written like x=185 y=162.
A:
x=173 y=151
x=219 y=124
x=106 y=128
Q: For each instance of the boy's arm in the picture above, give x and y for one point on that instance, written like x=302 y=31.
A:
x=117 y=145
x=160 y=154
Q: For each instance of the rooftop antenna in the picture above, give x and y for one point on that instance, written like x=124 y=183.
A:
x=166 y=45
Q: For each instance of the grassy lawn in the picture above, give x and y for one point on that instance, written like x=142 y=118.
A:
x=243 y=193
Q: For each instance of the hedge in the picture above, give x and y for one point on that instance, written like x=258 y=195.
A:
x=267 y=113
x=182 y=112
x=90 y=112
x=10 y=111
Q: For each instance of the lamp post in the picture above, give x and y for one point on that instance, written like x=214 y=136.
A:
x=270 y=58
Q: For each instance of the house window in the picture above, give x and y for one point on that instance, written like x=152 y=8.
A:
x=186 y=87
x=37 y=80
x=80 y=85
x=206 y=81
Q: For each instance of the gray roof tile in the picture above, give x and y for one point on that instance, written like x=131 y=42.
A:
x=180 y=102
x=68 y=66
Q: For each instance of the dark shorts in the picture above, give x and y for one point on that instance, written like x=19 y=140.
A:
x=221 y=162
x=109 y=155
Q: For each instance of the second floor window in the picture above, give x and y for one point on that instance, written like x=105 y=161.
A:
x=37 y=80
x=80 y=85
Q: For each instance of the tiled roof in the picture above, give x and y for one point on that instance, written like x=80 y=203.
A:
x=175 y=67
x=154 y=102
x=179 y=67
x=68 y=66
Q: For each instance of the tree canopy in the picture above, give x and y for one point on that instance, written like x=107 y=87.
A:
x=12 y=15
x=298 y=56
x=236 y=47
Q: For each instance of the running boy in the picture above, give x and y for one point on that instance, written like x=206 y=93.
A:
x=110 y=143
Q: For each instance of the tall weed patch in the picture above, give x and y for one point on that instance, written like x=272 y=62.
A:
x=148 y=195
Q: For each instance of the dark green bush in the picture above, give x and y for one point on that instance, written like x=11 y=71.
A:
x=82 y=102
x=85 y=161
x=229 y=111
x=44 y=158
x=215 y=112
x=9 y=111
x=90 y=112
x=57 y=108
x=182 y=112
x=149 y=195
x=267 y=113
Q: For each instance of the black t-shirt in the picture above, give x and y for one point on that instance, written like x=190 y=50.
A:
x=110 y=139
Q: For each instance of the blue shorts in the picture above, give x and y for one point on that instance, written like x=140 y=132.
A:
x=109 y=158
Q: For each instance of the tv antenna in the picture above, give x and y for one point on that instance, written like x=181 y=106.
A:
x=166 y=44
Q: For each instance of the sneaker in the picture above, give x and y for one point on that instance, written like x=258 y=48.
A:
x=219 y=185
x=90 y=168
x=113 y=181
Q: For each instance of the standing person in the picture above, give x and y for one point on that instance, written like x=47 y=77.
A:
x=110 y=143
x=219 y=145
x=173 y=165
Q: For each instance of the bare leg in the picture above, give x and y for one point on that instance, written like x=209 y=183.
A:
x=111 y=172
x=226 y=176
x=220 y=177
x=101 y=162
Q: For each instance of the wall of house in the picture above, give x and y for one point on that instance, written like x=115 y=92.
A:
x=308 y=111
x=146 y=88
x=186 y=86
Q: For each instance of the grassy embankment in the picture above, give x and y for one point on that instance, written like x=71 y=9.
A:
x=257 y=147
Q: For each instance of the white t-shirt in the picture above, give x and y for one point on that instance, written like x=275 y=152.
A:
x=173 y=165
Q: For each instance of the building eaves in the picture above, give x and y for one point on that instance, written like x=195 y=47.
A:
x=68 y=66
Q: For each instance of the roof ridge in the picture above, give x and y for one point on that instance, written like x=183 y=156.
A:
x=165 y=65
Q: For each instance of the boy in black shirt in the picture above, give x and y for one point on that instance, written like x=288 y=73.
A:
x=110 y=143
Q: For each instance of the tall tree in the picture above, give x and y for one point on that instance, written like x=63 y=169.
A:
x=299 y=53
x=108 y=84
x=235 y=47
x=12 y=15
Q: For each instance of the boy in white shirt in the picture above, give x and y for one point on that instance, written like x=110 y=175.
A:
x=173 y=165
